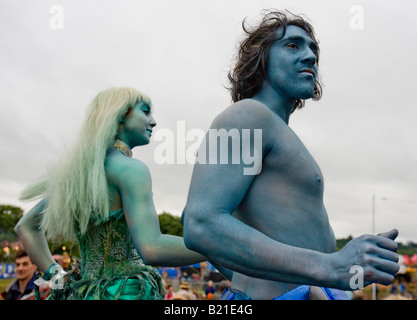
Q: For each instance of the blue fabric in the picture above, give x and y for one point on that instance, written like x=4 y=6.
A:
x=230 y=295
x=303 y=293
x=299 y=293
x=336 y=294
x=14 y=292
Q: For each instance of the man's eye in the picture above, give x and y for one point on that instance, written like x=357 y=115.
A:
x=292 y=46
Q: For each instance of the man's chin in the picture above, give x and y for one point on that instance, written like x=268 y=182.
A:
x=306 y=95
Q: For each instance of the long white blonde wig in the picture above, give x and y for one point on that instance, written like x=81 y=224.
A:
x=76 y=187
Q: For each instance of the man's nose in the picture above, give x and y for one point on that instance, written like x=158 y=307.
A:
x=309 y=56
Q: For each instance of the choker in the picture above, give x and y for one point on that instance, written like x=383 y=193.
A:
x=123 y=148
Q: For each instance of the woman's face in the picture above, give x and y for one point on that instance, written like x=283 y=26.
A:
x=138 y=124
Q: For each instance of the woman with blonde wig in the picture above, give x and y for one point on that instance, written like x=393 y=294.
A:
x=102 y=197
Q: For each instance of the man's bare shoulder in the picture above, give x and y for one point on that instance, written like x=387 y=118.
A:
x=247 y=113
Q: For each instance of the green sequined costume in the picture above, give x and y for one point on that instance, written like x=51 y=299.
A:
x=111 y=267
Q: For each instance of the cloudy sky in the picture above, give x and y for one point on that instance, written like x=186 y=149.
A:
x=56 y=55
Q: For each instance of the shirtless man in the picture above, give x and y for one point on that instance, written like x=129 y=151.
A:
x=271 y=228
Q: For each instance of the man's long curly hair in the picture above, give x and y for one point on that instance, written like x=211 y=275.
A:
x=253 y=55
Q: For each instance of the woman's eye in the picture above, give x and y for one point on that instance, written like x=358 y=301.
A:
x=146 y=110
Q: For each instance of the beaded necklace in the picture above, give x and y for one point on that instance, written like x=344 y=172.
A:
x=123 y=148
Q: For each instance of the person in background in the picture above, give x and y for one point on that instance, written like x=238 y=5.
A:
x=23 y=288
x=210 y=288
x=184 y=292
x=170 y=292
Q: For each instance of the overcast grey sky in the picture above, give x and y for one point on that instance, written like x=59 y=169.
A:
x=362 y=133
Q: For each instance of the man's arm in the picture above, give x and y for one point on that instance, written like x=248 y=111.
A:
x=227 y=273
x=216 y=190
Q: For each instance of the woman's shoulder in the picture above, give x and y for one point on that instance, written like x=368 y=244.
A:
x=119 y=167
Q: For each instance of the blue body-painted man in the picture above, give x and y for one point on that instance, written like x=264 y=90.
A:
x=272 y=229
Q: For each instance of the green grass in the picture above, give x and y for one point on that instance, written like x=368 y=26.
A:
x=4 y=283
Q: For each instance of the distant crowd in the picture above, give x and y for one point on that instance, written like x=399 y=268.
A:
x=183 y=287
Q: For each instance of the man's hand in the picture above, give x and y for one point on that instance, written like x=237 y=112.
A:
x=376 y=254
